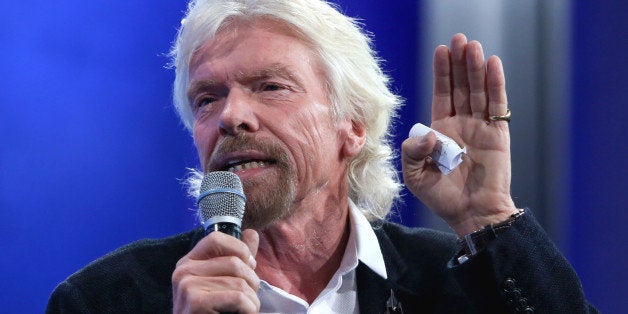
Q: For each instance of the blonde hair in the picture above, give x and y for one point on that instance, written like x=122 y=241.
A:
x=358 y=88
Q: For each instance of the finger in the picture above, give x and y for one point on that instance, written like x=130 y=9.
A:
x=194 y=294
x=496 y=83
x=251 y=238
x=477 y=80
x=459 y=74
x=224 y=266
x=234 y=302
x=441 y=101
x=219 y=244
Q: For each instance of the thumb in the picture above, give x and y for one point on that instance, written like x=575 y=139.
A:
x=251 y=238
x=414 y=150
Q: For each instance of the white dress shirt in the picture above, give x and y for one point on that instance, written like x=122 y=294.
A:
x=340 y=294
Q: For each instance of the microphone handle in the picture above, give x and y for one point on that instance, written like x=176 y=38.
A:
x=225 y=227
x=228 y=228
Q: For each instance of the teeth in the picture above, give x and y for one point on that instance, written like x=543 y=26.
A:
x=247 y=165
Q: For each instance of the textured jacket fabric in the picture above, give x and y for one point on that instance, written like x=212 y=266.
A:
x=520 y=271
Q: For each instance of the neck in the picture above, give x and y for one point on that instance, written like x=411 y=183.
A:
x=300 y=254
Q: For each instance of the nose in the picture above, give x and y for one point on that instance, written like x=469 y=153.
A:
x=238 y=114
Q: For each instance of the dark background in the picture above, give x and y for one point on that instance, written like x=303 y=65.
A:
x=92 y=152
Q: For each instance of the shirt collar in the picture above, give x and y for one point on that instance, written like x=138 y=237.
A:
x=362 y=245
x=363 y=241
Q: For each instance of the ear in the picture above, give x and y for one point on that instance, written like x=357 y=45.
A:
x=354 y=139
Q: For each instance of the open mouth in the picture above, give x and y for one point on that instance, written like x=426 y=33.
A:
x=237 y=165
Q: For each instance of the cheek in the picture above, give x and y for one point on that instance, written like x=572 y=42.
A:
x=204 y=141
x=314 y=133
x=311 y=125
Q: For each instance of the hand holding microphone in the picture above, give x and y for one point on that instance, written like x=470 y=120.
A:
x=218 y=274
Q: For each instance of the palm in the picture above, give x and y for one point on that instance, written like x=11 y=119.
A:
x=478 y=177
x=465 y=94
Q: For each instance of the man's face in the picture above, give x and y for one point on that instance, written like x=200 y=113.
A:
x=261 y=111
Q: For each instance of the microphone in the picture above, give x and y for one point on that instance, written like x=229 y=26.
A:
x=221 y=203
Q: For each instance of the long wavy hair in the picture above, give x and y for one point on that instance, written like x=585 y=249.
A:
x=358 y=88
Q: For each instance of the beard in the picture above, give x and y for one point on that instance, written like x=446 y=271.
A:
x=269 y=198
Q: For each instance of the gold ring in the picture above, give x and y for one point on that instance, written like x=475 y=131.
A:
x=505 y=117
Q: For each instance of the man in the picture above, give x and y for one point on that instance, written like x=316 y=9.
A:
x=289 y=96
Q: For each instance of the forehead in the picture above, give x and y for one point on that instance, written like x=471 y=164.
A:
x=256 y=42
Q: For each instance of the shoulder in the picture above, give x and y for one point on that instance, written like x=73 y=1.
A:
x=135 y=275
x=408 y=238
x=142 y=254
x=416 y=245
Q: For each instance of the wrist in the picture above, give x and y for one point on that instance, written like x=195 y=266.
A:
x=481 y=215
x=476 y=241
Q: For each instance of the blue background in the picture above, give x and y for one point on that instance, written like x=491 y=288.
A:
x=92 y=151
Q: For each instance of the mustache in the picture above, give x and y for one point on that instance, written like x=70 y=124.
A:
x=273 y=149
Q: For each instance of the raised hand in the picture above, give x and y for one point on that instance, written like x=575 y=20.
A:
x=218 y=275
x=467 y=93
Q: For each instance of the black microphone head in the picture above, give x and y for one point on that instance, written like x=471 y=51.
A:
x=221 y=199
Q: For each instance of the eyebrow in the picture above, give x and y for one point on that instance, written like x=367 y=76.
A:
x=273 y=70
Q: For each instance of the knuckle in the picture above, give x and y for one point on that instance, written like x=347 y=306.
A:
x=184 y=285
x=240 y=284
x=241 y=269
x=180 y=272
x=238 y=299
x=182 y=261
x=241 y=298
x=211 y=239
x=233 y=260
x=256 y=282
x=177 y=275
x=195 y=301
x=235 y=263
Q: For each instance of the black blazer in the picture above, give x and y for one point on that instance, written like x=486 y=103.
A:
x=518 y=272
x=521 y=271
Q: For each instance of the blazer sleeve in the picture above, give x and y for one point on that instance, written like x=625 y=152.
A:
x=66 y=299
x=521 y=271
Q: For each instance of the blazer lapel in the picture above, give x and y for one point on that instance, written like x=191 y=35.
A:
x=379 y=295
x=372 y=290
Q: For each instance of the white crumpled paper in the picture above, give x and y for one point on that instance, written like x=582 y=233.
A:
x=447 y=154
